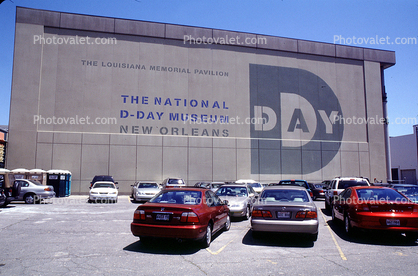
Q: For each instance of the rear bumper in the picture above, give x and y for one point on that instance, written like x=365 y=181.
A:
x=285 y=226
x=376 y=222
x=193 y=232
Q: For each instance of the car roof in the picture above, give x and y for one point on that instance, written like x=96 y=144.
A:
x=369 y=187
x=186 y=189
x=284 y=187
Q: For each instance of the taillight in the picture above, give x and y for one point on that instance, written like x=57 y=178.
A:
x=47 y=189
x=139 y=215
x=311 y=194
x=261 y=214
x=189 y=217
x=362 y=208
x=306 y=214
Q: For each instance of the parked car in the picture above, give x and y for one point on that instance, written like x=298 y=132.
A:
x=103 y=191
x=3 y=198
x=30 y=191
x=202 y=185
x=143 y=191
x=409 y=190
x=182 y=213
x=318 y=190
x=294 y=182
x=241 y=198
x=285 y=209
x=173 y=182
x=213 y=186
x=338 y=185
x=376 y=208
x=106 y=178
x=256 y=185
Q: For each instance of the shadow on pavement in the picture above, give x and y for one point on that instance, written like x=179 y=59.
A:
x=277 y=239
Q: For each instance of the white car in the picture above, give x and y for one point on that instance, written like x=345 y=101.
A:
x=144 y=191
x=258 y=188
x=103 y=191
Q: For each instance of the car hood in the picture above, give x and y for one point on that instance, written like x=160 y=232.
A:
x=148 y=190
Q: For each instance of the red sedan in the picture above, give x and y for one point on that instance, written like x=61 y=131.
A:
x=376 y=208
x=182 y=213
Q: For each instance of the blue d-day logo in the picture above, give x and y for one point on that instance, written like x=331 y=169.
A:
x=297 y=133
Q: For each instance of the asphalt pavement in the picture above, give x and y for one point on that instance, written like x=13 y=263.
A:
x=68 y=236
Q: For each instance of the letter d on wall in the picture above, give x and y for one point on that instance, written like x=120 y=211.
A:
x=260 y=122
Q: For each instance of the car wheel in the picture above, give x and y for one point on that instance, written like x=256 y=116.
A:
x=29 y=199
x=207 y=239
x=327 y=207
x=247 y=213
x=227 y=225
x=347 y=225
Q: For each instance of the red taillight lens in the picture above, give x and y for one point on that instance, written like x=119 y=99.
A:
x=261 y=214
x=189 y=217
x=311 y=194
x=139 y=215
x=306 y=214
x=47 y=189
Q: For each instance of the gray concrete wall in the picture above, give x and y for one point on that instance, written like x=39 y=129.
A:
x=73 y=81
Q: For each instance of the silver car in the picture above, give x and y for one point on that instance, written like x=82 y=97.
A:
x=285 y=209
x=240 y=199
x=144 y=191
x=31 y=191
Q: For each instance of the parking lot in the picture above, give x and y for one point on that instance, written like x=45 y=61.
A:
x=68 y=236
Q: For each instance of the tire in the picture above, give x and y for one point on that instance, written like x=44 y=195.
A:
x=314 y=237
x=247 y=213
x=327 y=207
x=207 y=239
x=227 y=225
x=334 y=219
x=29 y=199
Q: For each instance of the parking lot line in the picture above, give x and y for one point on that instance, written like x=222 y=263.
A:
x=333 y=238
x=223 y=247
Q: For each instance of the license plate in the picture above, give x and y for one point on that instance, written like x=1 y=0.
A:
x=393 y=222
x=283 y=215
x=164 y=217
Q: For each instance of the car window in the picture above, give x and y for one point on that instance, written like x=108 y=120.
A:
x=178 y=197
x=379 y=194
x=256 y=185
x=104 y=185
x=284 y=196
x=407 y=190
x=211 y=199
x=147 y=185
x=344 y=184
x=232 y=191
x=251 y=190
x=319 y=186
x=175 y=181
x=345 y=194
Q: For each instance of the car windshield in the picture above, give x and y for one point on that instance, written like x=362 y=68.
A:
x=216 y=186
x=379 y=195
x=175 y=181
x=294 y=183
x=232 y=191
x=407 y=190
x=351 y=183
x=104 y=185
x=284 y=196
x=178 y=197
x=147 y=185
x=256 y=185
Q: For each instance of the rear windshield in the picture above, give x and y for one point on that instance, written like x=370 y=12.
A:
x=294 y=183
x=178 y=197
x=407 y=190
x=284 y=196
x=379 y=194
x=351 y=183
x=147 y=185
x=319 y=186
x=256 y=185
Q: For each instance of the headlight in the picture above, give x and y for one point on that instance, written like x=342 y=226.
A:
x=94 y=193
x=112 y=193
x=140 y=193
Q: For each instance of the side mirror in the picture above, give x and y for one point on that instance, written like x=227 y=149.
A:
x=116 y=183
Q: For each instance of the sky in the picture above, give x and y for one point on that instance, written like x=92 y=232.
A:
x=350 y=21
